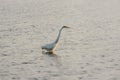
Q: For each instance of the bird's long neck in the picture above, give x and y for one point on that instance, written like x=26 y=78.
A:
x=56 y=41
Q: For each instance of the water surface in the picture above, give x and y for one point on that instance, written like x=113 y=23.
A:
x=88 y=51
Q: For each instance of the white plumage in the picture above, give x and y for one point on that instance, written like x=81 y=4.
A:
x=52 y=46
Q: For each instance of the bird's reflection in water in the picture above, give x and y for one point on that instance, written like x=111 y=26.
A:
x=52 y=58
x=51 y=54
x=53 y=63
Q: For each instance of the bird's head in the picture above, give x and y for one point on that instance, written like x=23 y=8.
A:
x=65 y=27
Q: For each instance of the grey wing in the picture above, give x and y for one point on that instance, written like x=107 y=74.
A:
x=48 y=46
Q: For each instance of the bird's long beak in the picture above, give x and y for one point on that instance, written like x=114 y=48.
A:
x=67 y=27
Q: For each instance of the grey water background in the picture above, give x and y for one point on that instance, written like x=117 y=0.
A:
x=90 y=50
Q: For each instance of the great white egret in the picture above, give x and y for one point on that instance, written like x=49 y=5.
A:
x=52 y=46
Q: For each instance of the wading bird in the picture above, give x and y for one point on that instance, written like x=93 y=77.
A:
x=52 y=46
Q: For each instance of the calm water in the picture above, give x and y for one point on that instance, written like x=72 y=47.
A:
x=89 y=50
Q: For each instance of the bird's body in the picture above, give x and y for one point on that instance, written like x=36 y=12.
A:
x=49 y=47
x=52 y=46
